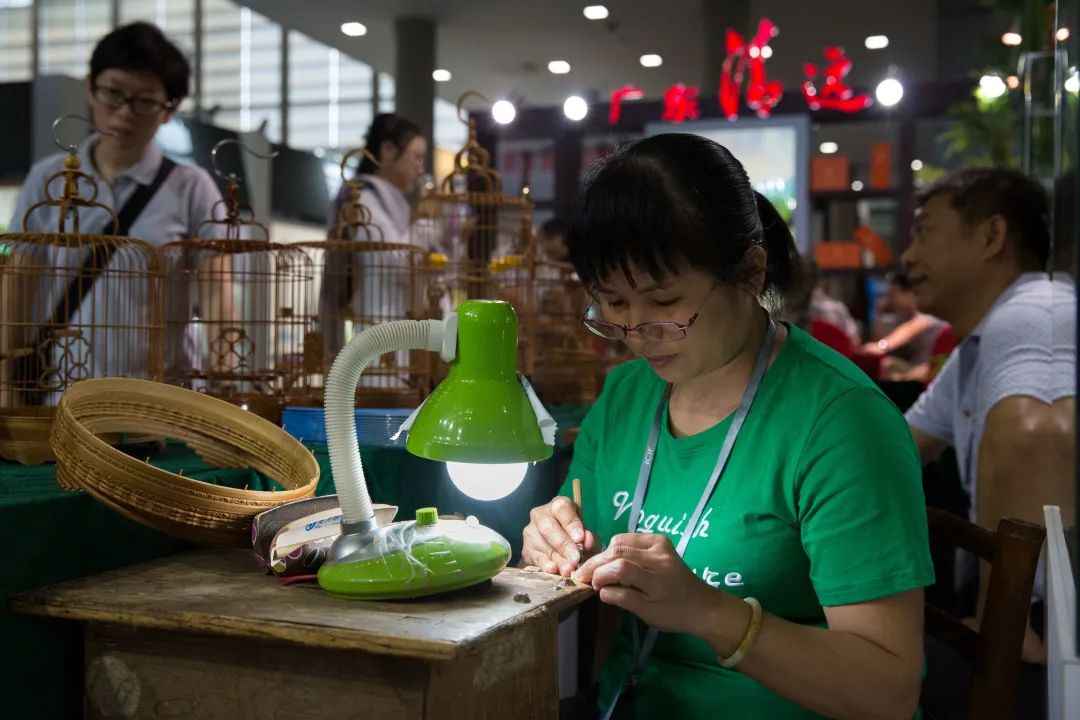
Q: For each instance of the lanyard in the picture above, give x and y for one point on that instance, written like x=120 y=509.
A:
x=644 y=650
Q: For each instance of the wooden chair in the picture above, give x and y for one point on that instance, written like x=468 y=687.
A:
x=994 y=651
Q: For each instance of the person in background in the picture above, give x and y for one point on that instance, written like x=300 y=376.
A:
x=905 y=336
x=785 y=578
x=137 y=80
x=1005 y=399
x=825 y=308
x=366 y=288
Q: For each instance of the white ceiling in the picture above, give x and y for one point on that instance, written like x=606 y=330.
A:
x=502 y=47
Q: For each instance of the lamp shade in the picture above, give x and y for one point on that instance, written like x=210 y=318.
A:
x=480 y=413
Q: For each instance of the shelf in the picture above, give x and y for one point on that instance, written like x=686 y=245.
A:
x=852 y=195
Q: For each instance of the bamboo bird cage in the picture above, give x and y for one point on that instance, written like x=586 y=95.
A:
x=364 y=281
x=481 y=240
x=73 y=305
x=237 y=309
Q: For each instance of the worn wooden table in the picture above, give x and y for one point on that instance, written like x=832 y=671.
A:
x=205 y=634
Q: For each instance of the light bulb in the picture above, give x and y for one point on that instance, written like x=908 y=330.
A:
x=575 y=108
x=354 y=29
x=558 y=67
x=504 y=112
x=595 y=12
x=889 y=92
x=651 y=60
x=441 y=75
x=1011 y=38
x=486 y=481
x=828 y=148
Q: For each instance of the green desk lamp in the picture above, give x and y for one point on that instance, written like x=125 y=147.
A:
x=482 y=420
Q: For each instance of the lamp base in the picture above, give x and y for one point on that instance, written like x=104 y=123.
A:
x=413 y=558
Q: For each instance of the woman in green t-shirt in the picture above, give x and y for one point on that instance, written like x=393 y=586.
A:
x=779 y=576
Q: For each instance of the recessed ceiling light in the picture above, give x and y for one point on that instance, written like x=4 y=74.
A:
x=1062 y=34
x=595 y=12
x=559 y=67
x=651 y=60
x=916 y=165
x=504 y=112
x=766 y=52
x=354 y=29
x=828 y=148
x=857 y=186
x=441 y=75
x=877 y=42
x=1011 y=38
x=575 y=108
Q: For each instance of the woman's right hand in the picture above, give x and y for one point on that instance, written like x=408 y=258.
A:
x=552 y=537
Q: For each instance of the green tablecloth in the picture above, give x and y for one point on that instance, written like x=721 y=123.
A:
x=49 y=535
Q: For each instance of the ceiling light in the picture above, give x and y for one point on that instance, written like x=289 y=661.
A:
x=766 y=52
x=558 y=67
x=1013 y=82
x=1012 y=38
x=595 y=12
x=916 y=165
x=575 y=108
x=651 y=60
x=504 y=112
x=991 y=86
x=877 y=42
x=1062 y=34
x=857 y=186
x=441 y=75
x=354 y=29
x=828 y=148
x=889 y=92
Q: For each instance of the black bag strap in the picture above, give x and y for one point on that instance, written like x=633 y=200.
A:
x=94 y=265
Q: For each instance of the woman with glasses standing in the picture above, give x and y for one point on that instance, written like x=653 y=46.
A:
x=137 y=80
x=750 y=499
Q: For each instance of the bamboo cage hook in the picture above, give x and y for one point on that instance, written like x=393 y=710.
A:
x=233 y=177
x=72 y=148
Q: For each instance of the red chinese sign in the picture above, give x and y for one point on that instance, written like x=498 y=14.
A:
x=681 y=104
x=744 y=78
x=835 y=94
x=626 y=92
x=761 y=93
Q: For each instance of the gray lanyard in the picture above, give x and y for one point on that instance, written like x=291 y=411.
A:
x=644 y=650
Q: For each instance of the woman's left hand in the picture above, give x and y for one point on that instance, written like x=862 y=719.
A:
x=644 y=575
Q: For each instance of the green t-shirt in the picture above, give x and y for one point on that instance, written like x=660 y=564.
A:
x=821 y=504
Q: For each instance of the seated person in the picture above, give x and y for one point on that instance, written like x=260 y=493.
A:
x=1005 y=399
x=907 y=345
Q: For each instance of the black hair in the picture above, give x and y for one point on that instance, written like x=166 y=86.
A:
x=979 y=193
x=387 y=127
x=142 y=47
x=673 y=200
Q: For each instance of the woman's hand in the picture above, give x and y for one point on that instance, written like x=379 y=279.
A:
x=644 y=575
x=552 y=537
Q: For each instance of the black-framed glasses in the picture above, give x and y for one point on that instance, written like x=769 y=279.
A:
x=141 y=106
x=654 y=331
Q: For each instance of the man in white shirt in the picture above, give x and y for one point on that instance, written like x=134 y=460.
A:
x=1005 y=400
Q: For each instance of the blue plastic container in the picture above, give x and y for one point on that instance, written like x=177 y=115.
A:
x=374 y=427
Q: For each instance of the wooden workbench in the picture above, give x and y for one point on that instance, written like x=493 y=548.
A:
x=206 y=634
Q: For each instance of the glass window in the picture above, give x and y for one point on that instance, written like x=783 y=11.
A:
x=16 y=41
x=241 y=68
x=176 y=18
x=329 y=95
x=67 y=33
x=386 y=93
x=450 y=133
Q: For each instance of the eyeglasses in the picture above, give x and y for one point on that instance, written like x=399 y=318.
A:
x=654 y=331
x=141 y=106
